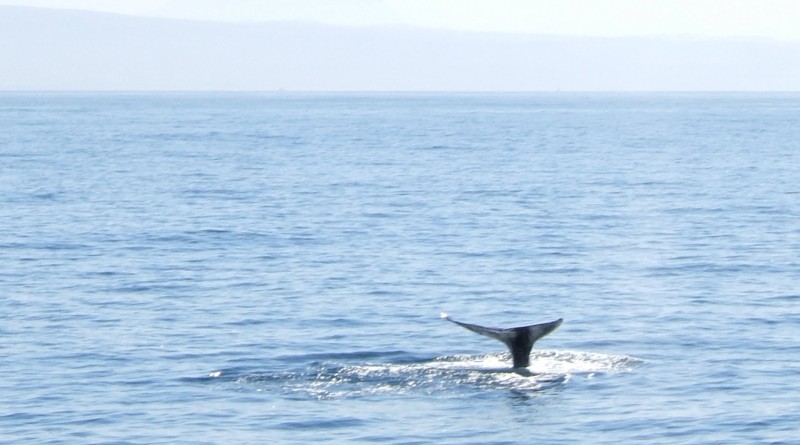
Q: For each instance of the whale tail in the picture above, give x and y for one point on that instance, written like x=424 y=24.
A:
x=519 y=340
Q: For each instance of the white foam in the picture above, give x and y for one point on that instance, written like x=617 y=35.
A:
x=549 y=368
x=492 y=371
x=542 y=361
x=575 y=362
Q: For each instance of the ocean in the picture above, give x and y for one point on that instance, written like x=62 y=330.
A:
x=208 y=268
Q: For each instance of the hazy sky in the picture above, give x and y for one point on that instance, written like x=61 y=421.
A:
x=778 y=19
x=548 y=46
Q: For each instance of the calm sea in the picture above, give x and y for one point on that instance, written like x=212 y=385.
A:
x=270 y=268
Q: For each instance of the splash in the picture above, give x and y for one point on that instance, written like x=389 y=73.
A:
x=456 y=373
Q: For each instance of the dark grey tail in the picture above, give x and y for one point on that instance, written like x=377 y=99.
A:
x=519 y=340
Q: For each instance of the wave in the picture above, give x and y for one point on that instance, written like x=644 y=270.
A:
x=490 y=372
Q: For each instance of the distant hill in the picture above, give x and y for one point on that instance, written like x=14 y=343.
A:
x=46 y=49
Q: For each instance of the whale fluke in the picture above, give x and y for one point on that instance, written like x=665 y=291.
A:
x=519 y=340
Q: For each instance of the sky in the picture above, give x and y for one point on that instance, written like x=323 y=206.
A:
x=771 y=19
x=513 y=45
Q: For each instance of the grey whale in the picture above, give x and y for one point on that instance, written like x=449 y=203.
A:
x=519 y=340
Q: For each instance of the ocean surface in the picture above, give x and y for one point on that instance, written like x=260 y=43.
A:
x=270 y=268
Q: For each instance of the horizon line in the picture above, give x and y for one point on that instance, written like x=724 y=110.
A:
x=399 y=92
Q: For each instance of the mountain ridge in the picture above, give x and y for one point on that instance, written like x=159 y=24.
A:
x=48 y=49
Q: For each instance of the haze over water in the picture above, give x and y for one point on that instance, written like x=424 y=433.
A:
x=269 y=268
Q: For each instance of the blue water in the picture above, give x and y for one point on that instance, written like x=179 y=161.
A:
x=270 y=268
